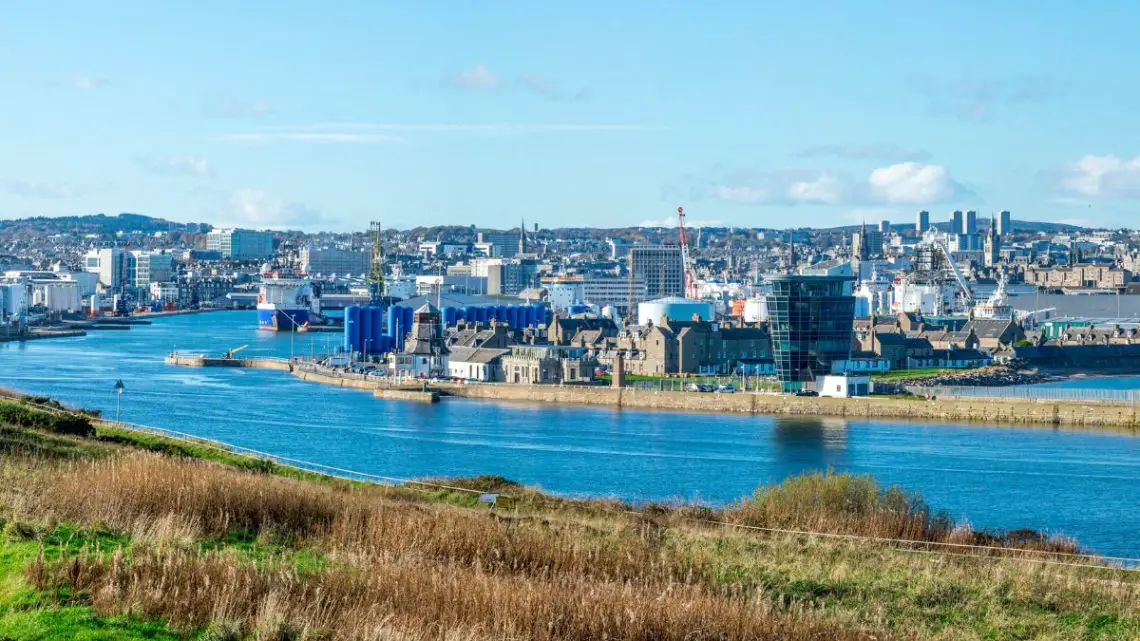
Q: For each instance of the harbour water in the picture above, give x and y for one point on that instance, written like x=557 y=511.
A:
x=1073 y=482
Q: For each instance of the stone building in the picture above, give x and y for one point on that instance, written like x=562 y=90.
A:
x=425 y=352
x=547 y=365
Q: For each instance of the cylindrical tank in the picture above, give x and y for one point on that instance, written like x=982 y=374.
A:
x=366 y=330
x=449 y=316
x=460 y=314
x=501 y=314
x=512 y=315
x=406 y=316
x=378 y=328
x=539 y=314
x=352 y=329
x=471 y=313
x=392 y=320
x=674 y=308
x=574 y=310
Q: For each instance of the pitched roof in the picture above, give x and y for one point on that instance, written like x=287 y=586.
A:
x=481 y=355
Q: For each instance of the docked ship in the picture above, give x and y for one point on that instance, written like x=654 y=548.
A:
x=287 y=301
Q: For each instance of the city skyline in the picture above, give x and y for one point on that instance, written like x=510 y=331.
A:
x=279 y=117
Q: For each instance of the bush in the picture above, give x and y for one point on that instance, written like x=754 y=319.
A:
x=58 y=422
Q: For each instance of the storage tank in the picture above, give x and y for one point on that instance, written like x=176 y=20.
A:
x=406 y=316
x=471 y=313
x=377 y=328
x=574 y=310
x=449 y=316
x=673 y=308
x=513 y=316
x=539 y=314
x=352 y=329
x=393 y=319
x=366 y=330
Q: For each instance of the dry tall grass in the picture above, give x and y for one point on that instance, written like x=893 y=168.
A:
x=407 y=569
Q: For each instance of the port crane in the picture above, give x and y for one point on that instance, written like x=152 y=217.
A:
x=376 y=271
x=931 y=239
x=232 y=353
x=690 y=286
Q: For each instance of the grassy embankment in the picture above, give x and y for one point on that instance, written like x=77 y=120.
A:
x=102 y=540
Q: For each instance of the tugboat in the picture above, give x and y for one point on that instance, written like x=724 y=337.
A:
x=287 y=300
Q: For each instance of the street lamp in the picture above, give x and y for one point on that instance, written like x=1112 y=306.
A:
x=119 y=387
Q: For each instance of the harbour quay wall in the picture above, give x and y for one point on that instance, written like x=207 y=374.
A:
x=418 y=396
x=278 y=364
x=986 y=410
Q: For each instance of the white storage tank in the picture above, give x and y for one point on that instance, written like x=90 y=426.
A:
x=674 y=308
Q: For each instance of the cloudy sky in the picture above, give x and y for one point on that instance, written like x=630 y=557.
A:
x=327 y=115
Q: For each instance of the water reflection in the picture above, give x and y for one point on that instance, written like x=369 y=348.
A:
x=806 y=444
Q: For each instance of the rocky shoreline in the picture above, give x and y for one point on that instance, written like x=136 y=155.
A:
x=981 y=377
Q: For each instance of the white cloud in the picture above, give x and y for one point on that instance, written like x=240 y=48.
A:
x=912 y=183
x=296 y=136
x=87 y=83
x=1094 y=176
x=256 y=208
x=184 y=165
x=30 y=189
x=478 y=78
x=906 y=183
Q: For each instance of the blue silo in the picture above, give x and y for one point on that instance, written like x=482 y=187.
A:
x=449 y=316
x=351 y=328
x=513 y=316
x=471 y=313
x=377 y=327
x=539 y=314
x=366 y=330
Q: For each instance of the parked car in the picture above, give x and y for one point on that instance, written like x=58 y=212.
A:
x=692 y=387
x=807 y=392
x=726 y=389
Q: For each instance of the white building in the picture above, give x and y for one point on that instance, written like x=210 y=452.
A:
x=165 y=292
x=840 y=386
x=240 y=244
x=109 y=263
x=561 y=293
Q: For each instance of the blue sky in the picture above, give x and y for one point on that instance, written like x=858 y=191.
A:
x=325 y=116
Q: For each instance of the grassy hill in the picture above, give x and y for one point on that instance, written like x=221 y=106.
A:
x=114 y=534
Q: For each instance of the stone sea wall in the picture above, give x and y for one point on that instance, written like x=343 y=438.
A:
x=1008 y=411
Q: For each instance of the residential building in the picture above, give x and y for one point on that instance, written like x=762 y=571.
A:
x=500 y=244
x=957 y=222
x=971 y=223
x=547 y=364
x=811 y=320
x=1005 y=223
x=332 y=260
x=922 y=222
x=661 y=268
x=240 y=244
x=1086 y=275
x=483 y=364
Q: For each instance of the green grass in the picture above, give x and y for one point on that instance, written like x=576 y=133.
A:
x=902 y=374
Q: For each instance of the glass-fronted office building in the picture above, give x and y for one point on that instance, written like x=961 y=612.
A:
x=811 y=319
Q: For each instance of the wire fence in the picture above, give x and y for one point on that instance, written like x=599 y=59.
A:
x=1032 y=393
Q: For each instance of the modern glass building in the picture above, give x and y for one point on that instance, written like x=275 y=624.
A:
x=812 y=321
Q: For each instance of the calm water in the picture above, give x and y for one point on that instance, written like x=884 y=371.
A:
x=1077 y=483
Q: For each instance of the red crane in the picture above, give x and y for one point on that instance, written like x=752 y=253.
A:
x=686 y=269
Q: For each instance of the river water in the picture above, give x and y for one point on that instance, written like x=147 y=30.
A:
x=1072 y=482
